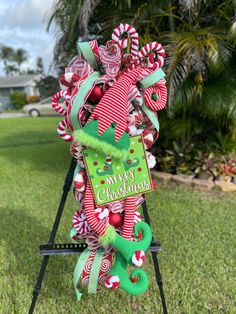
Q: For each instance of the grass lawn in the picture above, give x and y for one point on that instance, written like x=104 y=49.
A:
x=197 y=232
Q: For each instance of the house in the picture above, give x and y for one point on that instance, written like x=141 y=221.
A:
x=24 y=83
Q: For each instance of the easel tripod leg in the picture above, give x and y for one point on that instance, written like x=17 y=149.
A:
x=66 y=189
x=156 y=264
x=159 y=281
x=38 y=285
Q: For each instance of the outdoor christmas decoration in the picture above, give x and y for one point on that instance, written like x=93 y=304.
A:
x=112 y=94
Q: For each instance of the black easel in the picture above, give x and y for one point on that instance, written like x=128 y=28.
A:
x=52 y=248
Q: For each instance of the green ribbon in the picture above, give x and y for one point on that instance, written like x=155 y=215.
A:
x=77 y=168
x=152 y=79
x=87 y=52
x=94 y=273
x=146 y=83
x=85 y=86
x=79 y=269
x=151 y=116
x=73 y=232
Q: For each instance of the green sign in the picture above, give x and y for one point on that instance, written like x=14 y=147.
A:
x=113 y=180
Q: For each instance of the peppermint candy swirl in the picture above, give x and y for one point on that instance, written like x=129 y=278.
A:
x=80 y=223
x=85 y=280
x=116 y=207
x=88 y=265
x=102 y=213
x=106 y=265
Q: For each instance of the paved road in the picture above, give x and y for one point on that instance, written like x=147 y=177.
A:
x=12 y=115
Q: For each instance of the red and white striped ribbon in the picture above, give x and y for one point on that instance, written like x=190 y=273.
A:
x=160 y=90
x=94 y=46
x=128 y=225
x=110 y=56
x=147 y=53
x=134 y=94
x=55 y=101
x=61 y=131
x=126 y=28
x=89 y=208
x=79 y=66
x=113 y=105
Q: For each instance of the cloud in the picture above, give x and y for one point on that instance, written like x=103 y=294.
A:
x=23 y=25
x=26 y=14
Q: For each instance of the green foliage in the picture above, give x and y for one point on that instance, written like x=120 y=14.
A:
x=48 y=86
x=20 y=55
x=199 y=39
x=18 y=99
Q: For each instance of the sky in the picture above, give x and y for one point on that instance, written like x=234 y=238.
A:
x=23 y=25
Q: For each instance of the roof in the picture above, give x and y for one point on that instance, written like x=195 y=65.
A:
x=18 y=81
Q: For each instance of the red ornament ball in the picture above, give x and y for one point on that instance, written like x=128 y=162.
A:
x=96 y=94
x=115 y=219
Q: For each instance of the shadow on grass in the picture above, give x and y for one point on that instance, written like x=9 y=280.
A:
x=21 y=236
x=39 y=149
x=25 y=138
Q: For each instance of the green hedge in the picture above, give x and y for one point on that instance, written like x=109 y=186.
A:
x=18 y=99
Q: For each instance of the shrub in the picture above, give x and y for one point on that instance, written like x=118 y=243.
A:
x=48 y=86
x=18 y=99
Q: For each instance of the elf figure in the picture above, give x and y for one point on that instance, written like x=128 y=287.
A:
x=111 y=96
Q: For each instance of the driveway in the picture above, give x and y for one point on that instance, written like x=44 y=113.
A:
x=12 y=115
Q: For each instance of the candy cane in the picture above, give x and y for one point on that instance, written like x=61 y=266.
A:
x=55 y=101
x=61 y=131
x=147 y=51
x=126 y=28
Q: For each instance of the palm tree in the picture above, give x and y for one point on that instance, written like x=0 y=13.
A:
x=6 y=55
x=39 y=63
x=20 y=56
x=65 y=15
x=11 y=69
